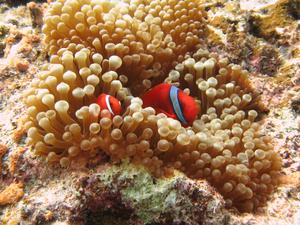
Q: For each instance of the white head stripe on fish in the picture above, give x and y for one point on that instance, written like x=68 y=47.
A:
x=176 y=104
x=108 y=104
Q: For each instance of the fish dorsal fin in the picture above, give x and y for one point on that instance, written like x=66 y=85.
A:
x=176 y=104
x=108 y=104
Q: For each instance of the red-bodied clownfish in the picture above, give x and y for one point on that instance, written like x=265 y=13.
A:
x=110 y=103
x=168 y=99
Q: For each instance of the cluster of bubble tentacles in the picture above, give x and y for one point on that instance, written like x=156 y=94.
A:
x=149 y=36
x=123 y=50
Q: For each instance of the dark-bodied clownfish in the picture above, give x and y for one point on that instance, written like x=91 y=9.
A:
x=168 y=99
x=110 y=103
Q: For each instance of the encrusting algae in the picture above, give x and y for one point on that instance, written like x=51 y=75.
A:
x=11 y=194
x=125 y=49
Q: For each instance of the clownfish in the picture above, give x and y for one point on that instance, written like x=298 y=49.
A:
x=110 y=103
x=170 y=100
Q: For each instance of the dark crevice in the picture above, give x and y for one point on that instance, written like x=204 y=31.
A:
x=254 y=27
x=293 y=9
x=19 y=2
x=106 y=218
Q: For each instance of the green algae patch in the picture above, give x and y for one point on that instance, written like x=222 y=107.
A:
x=149 y=196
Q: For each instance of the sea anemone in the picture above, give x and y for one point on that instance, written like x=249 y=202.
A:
x=225 y=144
x=147 y=36
x=125 y=49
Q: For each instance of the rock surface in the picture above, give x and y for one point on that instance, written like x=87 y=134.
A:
x=261 y=36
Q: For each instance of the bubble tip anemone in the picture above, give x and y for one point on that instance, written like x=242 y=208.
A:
x=123 y=51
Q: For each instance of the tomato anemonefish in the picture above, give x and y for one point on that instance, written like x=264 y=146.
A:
x=168 y=99
x=110 y=103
